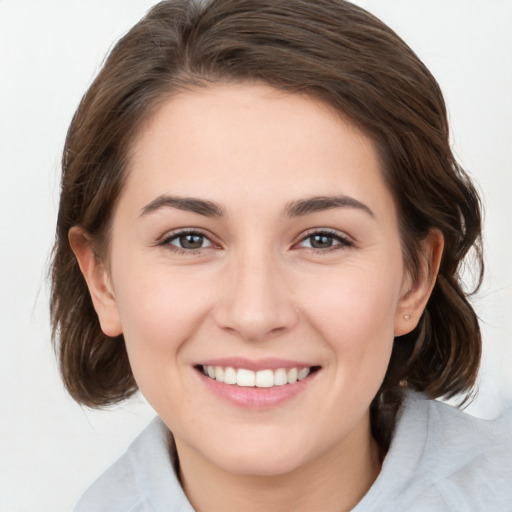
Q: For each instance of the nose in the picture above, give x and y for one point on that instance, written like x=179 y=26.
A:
x=256 y=302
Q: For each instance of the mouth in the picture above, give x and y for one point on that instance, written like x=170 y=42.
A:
x=265 y=378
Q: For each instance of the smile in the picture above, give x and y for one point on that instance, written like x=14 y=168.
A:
x=260 y=379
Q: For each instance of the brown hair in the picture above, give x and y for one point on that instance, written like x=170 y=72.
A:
x=329 y=49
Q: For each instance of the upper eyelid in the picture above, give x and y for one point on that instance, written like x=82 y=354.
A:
x=185 y=231
x=328 y=231
x=170 y=235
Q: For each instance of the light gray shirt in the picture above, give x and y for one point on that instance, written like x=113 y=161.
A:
x=440 y=459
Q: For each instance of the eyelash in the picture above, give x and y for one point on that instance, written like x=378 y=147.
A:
x=167 y=241
x=343 y=241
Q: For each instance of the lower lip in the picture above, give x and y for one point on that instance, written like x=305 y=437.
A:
x=256 y=398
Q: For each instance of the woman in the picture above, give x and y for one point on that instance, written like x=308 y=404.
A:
x=261 y=226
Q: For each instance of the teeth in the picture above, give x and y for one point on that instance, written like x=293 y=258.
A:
x=264 y=379
x=245 y=378
x=280 y=377
x=230 y=376
x=219 y=373
x=260 y=379
x=302 y=373
x=291 y=376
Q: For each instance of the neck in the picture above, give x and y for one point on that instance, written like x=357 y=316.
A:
x=334 y=482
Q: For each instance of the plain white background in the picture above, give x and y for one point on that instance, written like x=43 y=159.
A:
x=51 y=448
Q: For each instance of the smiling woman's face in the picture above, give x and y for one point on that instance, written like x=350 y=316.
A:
x=256 y=240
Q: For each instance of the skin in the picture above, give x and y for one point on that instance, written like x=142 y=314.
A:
x=256 y=288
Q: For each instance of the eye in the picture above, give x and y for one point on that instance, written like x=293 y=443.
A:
x=324 y=240
x=188 y=241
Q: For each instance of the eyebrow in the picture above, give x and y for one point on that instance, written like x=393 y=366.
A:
x=296 y=208
x=189 y=204
x=320 y=203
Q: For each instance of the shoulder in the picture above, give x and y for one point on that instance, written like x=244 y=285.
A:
x=142 y=480
x=444 y=459
x=468 y=460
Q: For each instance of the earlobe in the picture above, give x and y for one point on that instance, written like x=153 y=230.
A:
x=97 y=278
x=416 y=294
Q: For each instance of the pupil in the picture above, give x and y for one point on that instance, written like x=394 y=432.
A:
x=191 y=241
x=321 y=241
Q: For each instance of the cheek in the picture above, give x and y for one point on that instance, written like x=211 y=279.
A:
x=159 y=315
x=355 y=312
x=358 y=298
x=159 y=311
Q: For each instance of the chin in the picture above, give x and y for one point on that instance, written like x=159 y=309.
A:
x=263 y=454
x=256 y=463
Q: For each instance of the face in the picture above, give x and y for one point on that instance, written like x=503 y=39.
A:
x=255 y=271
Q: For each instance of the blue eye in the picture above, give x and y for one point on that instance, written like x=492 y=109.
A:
x=189 y=240
x=324 y=240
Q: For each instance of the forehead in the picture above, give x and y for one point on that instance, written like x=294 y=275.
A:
x=246 y=141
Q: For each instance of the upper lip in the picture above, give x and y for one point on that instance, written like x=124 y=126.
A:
x=255 y=364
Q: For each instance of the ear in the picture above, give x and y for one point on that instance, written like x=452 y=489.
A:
x=98 y=281
x=415 y=294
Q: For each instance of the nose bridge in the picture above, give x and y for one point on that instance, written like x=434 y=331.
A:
x=256 y=301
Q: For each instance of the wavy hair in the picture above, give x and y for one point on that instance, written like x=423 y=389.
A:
x=331 y=50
